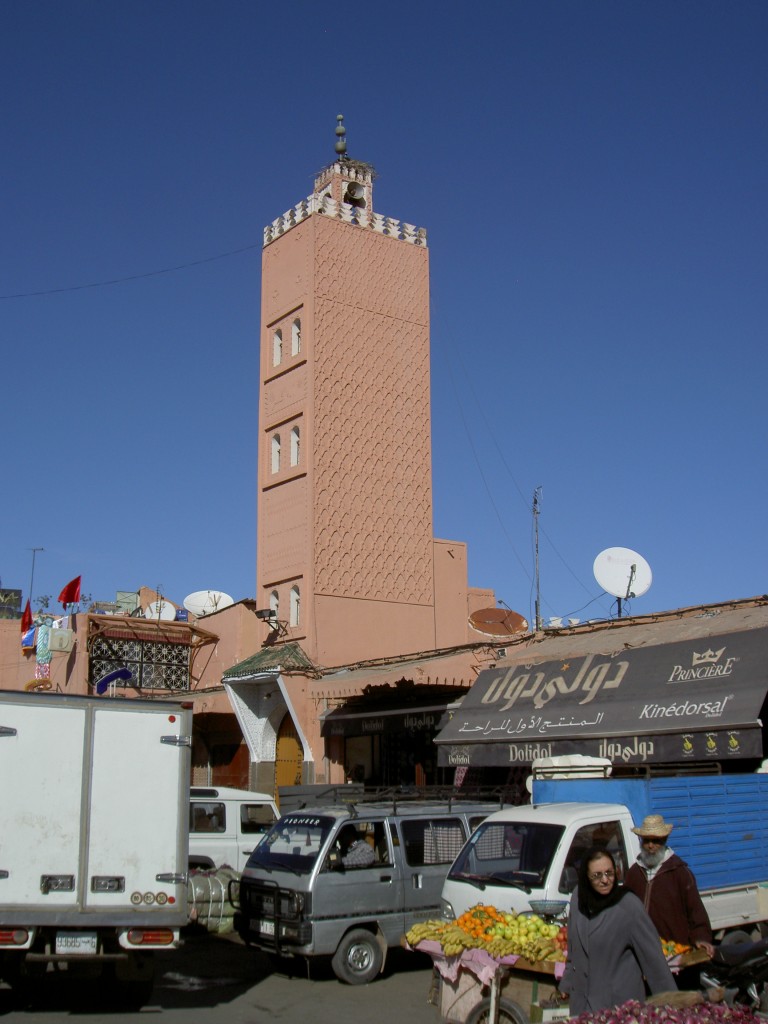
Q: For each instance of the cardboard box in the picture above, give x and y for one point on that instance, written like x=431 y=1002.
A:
x=544 y=1014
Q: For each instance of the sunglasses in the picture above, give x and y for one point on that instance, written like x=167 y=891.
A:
x=658 y=840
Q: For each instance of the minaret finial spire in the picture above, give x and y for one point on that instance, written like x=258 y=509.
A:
x=341 y=137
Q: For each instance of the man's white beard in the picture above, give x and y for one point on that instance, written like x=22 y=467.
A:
x=652 y=860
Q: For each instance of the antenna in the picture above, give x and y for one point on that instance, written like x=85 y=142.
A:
x=622 y=573
x=32 y=577
x=161 y=610
x=536 y=496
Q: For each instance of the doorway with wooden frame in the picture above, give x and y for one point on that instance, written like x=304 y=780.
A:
x=289 y=756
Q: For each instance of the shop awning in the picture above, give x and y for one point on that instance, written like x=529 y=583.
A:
x=689 y=701
x=344 y=722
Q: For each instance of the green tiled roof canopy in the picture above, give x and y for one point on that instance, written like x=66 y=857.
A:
x=287 y=656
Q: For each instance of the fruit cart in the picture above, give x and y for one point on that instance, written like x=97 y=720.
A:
x=492 y=966
x=477 y=988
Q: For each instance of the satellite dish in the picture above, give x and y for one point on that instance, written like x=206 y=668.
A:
x=622 y=573
x=205 y=602
x=498 y=622
x=161 y=609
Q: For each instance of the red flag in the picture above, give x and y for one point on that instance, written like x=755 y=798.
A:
x=71 y=593
x=26 y=618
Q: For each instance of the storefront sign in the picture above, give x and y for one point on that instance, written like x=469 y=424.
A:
x=691 y=700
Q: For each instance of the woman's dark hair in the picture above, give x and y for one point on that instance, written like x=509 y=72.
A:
x=593 y=853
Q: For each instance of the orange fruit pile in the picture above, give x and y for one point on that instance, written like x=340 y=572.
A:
x=480 y=920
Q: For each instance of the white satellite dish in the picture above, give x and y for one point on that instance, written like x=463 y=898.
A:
x=160 y=609
x=622 y=573
x=205 y=602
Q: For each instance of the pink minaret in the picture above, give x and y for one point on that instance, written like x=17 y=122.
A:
x=345 y=550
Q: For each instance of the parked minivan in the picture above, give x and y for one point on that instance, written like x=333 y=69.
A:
x=301 y=894
x=226 y=825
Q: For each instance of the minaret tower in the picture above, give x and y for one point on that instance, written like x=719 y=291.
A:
x=345 y=549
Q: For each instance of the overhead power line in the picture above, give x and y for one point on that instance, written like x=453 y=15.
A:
x=133 y=277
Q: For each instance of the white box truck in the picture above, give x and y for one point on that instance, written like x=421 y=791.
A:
x=94 y=796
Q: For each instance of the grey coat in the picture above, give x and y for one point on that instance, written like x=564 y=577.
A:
x=609 y=955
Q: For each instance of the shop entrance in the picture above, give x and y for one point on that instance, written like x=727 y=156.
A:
x=393 y=759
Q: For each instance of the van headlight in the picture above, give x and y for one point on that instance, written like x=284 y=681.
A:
x=446 y=910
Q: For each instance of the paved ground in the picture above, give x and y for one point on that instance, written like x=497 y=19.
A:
x=217 y=980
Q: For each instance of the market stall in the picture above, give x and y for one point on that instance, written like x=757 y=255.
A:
x=483 y=976
x=476 y=988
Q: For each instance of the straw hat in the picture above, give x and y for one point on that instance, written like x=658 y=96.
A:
x=653 y=825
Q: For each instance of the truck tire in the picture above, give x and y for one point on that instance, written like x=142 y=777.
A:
x=509 y=1013
x=359 y=958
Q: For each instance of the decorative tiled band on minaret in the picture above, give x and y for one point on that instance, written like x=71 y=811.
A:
x=349 y=214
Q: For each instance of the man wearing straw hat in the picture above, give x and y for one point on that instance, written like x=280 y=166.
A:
x=667 y=887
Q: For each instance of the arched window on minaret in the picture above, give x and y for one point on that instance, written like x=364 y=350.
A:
x=295 y=611
x=274 y=602
x=295 y=446
x=275 y=453
x=277 y=348
x=296 y=337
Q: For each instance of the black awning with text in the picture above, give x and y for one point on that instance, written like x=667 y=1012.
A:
x=346 y=722
x=693 y=700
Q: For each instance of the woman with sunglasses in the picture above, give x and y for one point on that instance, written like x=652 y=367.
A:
x=614 y=951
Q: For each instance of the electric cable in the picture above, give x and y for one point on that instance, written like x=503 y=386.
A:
x=134 y=277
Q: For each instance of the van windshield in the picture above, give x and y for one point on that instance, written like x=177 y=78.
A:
x=292 y=844
x=508 y=853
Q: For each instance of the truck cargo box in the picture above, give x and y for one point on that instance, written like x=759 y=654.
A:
x=720 y=821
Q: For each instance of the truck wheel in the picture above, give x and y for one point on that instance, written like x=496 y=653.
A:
x=359 y=957
x=509 y=1013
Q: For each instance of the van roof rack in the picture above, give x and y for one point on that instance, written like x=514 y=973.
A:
x=298 y=797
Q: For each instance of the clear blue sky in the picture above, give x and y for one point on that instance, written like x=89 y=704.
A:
x=592 y=176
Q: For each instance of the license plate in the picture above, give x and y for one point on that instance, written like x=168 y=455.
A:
x=263 y=927
x=76 y=943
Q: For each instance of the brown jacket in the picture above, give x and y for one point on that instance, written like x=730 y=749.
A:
x=672 y=901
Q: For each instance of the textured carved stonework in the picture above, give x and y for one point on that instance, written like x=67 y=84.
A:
x=373 y=495
x=363 y=269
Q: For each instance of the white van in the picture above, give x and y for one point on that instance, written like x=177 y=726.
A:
x=226 y=825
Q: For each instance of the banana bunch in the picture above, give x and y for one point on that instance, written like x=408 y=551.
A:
x=454 y=939
x=498 y=948
x=538 y=949
x=424 y=931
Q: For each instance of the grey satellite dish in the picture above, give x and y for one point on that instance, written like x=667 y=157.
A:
x=205 y=602
x=161 y=610
x=622 y=573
